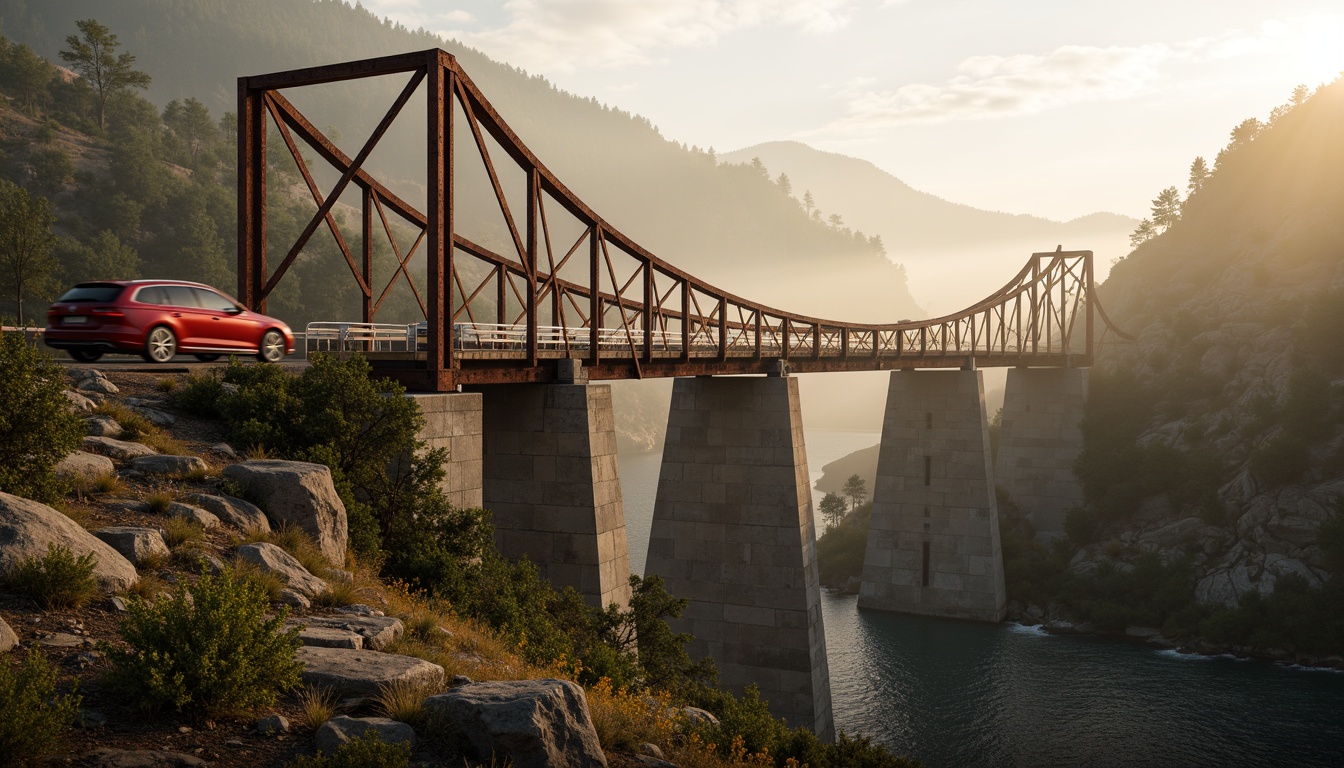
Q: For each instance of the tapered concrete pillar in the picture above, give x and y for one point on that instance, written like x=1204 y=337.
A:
x=453 y=422
x=933 y=543
x=733 y=533
x=552 y=484
x=1041 y=439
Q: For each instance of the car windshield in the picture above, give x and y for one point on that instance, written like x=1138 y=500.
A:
x=90 y=293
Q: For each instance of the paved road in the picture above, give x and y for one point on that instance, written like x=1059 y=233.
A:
x=179 y=364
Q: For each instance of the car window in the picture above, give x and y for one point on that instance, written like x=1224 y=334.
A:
x=211 y=300
x=91 y=293
x=181 y=296
x=151 y=294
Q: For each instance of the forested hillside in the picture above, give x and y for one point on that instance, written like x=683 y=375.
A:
x=729 y=224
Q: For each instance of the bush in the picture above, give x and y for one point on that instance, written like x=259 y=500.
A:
x=200 y=395
x=367 y=751
x=37 y=429
x=57 y=579
x=207 y=648
x=32 y=716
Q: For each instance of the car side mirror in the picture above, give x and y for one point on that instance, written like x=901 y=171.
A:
x=234 y=310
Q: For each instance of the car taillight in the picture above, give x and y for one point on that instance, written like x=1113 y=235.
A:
x=107 y=312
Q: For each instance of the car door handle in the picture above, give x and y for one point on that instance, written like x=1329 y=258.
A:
x=216 y=319
x=177 y=314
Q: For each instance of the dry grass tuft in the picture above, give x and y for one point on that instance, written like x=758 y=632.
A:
x=166 y=384
x=179 y=531
x=159 y=501
x=108 y=483
x=270 y=582
x=258 y=453
x=404 y=700
x=316 y=705
x=148 y=587
x=624 y=720
x=296 y=543
x=339 y=593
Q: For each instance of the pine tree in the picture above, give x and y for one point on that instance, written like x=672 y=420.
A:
x=1166 y=208
x=1145 y=232
x=833 y=510
x=856 y=489
x=95 y=58
x=26 y=240
x=1199 y=174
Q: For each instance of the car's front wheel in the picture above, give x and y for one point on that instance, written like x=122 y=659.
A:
x=272 y=348
x=86 y=355
x=160 y=345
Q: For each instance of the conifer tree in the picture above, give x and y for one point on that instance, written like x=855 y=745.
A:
x=94 y=56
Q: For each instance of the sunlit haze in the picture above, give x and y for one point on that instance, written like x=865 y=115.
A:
x=1057 y=109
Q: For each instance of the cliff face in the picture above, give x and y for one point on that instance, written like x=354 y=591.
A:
x=1219 y=434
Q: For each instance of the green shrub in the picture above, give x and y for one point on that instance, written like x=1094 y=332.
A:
x=32 y=716
x=366 y=751
x=37 y=429
x=57 y=579
x=207 y=648
x=200 y=395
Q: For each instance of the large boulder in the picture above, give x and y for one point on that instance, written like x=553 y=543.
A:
x=78 y=403
x=533 y=723
x=272 y=559
x=134 y=544
x=342 y=729
x=299 y=494
x=120 y=450
x=378 y=631
x=84 y=466
x=194 y=514
x=27 y=527
x=364 y=673
x=101 y=426
x=7 y=637
x=243 y=515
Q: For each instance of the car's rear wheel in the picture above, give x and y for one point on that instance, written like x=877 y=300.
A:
x=272 y=348
x=206 y=358
x=160 y=345
x=86 y=355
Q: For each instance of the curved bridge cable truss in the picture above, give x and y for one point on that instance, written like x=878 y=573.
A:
x=634 y=315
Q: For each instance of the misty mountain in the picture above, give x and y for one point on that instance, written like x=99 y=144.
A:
x=954 y=254
x=727 y=224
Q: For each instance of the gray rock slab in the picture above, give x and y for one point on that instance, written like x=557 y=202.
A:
x=272 y=724
x=78 y=402
x=300 y=494
x=295 y=599
x=360 y=673
x=378 y=631
x=341 y=729
x=168 y=465
x=8 y=639
x=61 y=640
x=533 y=723
x=194 y=514
x=328 y=637
x=101 y=426
x=121 y=450
x=272 y=559
x=156 y=417
x=81 y=465
x=243 y=515
x=140 y=758
x=28 y=527
x=134 y=544
x=97 y=384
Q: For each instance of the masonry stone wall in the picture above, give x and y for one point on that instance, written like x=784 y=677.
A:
x=553 y=486
x=453 y=422
x=1041 y=439
x=733 y=533
x=933 y=543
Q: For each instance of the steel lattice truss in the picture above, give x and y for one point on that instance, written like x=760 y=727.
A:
x=495 y=317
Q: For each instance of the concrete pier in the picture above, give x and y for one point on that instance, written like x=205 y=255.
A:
x=733 y=532
x=552 y=484
x=453 y=422
x=1041 y=439
x=933 y=544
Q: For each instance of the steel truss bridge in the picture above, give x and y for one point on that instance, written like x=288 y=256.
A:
x=508 y=314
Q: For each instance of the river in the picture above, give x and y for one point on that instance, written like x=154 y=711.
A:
x=955 y=693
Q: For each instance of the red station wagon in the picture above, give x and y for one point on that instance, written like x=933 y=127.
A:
x=159 y=318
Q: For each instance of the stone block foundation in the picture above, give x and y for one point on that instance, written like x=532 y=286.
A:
x=733 y=533
x=1041 y=439
x=453 y=422
x=933 y=543
x=553 y=486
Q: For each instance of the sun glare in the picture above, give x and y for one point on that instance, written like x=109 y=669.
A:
x=1316 y=55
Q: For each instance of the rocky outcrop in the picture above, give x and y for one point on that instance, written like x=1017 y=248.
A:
x=532 y=723
x=102 y=426
x=27 y=528
x=299 y=494
x=7 y=637
x=78 y=402
x=243 y=515
x=378 y=631
x=195 y=514
x=87 y=467
x=363 y=673
x=341 y=729
x=134 y=544
x=140 y=758
x=272 y=559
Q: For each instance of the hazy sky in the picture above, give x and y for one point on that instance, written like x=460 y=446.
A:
x=1057 y=108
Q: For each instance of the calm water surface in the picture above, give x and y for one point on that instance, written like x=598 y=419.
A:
x=964 y=694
